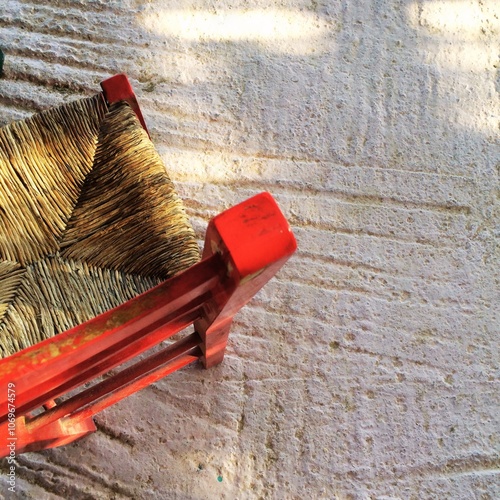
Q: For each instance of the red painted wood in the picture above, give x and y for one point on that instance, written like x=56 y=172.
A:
x=255 y=240
x=49 y=368
x=130 y=380
x=118 y=88
x=58 y=433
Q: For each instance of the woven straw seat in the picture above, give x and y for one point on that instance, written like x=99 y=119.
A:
x=88 y=219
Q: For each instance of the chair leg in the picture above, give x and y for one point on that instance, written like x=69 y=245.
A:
x=214 y=342
x=22 y=438
x=253 y=240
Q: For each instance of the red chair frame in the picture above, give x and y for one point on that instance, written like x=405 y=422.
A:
x=244 y=247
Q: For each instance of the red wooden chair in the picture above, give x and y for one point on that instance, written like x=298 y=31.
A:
x=46 y=398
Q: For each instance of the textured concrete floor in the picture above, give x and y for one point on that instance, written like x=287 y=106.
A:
x=370 y=367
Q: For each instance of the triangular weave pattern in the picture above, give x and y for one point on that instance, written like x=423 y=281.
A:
x=88 y=219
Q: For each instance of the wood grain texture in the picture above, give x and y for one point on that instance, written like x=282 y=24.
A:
x=369 y=368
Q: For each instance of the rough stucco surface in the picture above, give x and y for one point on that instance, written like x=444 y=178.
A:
x=369 y=368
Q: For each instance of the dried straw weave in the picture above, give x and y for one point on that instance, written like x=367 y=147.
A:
x=88 y=219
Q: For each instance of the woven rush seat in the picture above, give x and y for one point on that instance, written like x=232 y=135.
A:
x=88 y=219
